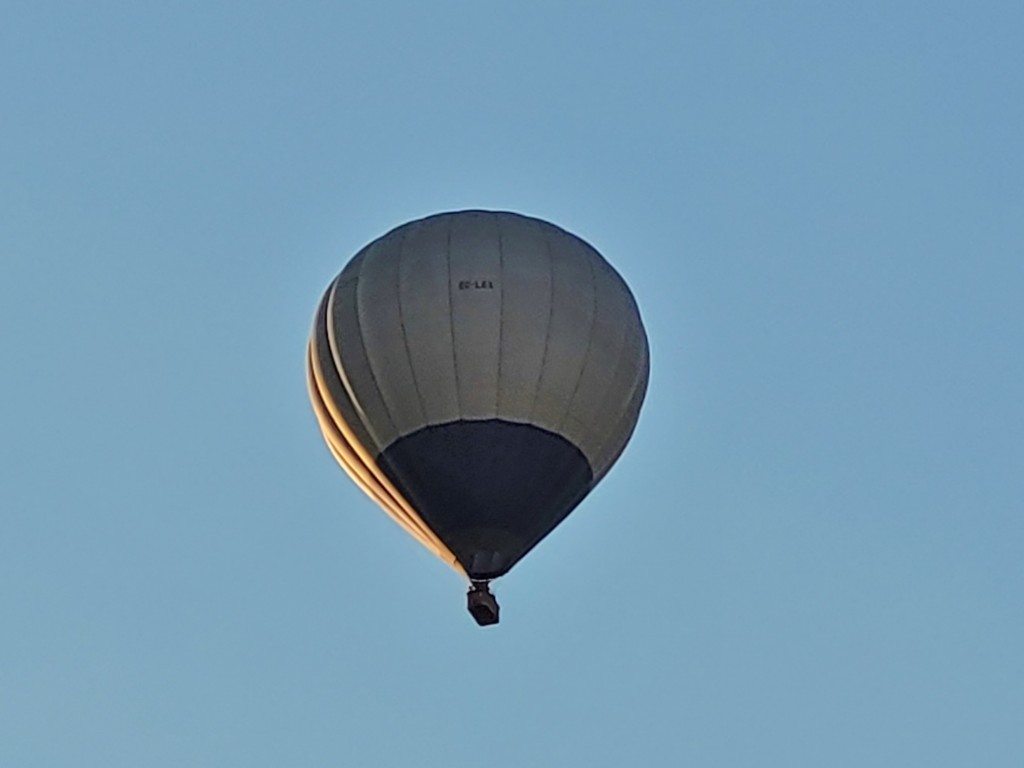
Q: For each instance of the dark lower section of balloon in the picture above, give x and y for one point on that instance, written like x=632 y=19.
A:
x=489 y=489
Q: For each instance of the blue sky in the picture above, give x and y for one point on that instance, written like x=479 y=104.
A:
x=809 y=555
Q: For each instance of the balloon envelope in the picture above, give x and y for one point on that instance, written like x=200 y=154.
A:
x=477 y=373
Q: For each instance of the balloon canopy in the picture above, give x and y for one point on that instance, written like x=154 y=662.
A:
x=477 y=373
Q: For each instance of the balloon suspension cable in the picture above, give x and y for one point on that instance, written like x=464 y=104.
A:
x=481 y=603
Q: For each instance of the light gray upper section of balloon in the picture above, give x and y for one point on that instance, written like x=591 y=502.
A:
x=482 y=315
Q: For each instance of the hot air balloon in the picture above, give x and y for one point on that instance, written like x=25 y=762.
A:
x=477 y=373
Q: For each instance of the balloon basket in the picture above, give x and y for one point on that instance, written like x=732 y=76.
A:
x=482 y=605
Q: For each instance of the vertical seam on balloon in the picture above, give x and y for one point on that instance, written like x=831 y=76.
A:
x=624 y=439
x=639 y=386
x=501 y=315
x=366 y=353
x=590 y=338
x=451 y=316
x=332 y=343
x=642 y=374
x=405 y=338
x=521 y=445
x=547 y=329
x=320 y=344
x=599 y=442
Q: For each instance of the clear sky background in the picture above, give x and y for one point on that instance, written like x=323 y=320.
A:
x=811 y=553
